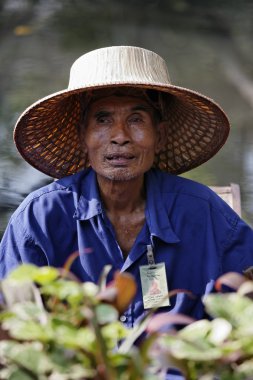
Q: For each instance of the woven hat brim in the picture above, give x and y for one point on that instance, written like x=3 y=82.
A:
x=46 y=134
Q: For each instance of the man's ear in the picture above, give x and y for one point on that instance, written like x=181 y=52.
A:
x=162 y=130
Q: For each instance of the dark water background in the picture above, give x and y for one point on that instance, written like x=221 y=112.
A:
x=208 y=46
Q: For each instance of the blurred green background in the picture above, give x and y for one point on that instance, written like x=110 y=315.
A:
x=207 y=46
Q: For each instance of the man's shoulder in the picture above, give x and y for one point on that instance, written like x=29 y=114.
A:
x=190 y=195
x=52 y=194
x=174 y=184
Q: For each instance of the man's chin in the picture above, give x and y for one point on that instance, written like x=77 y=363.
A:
x=121 y=174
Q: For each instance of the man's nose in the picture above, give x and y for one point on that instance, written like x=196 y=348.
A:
x=120 y=134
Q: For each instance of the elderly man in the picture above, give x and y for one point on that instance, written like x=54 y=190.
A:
x=116 y=138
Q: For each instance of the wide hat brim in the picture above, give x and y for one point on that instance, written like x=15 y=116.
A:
x=47 y=137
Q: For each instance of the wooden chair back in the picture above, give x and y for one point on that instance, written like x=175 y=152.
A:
x=230 y=194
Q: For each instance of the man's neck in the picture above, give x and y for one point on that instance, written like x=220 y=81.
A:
x=122 y=196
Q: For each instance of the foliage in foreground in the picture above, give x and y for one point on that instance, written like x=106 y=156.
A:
x=60 y=329
x=219 y=348
x=57 y=328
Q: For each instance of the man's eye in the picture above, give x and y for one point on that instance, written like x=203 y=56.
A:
x=136 y=119
x=103 y=120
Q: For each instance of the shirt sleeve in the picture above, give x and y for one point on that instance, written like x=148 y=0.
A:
x=18 y=247
x=232 y=235
x=238 y=250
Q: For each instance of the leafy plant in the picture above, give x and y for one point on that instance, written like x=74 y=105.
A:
x=60 y=329
x=219 y=348
x=56 y=328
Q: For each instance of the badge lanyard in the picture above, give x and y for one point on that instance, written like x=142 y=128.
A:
x=150 y=255
x=154 y=282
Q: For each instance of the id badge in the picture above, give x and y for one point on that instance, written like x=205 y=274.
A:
x=154 y=286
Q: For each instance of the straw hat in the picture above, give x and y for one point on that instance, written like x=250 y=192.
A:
x=46 y=134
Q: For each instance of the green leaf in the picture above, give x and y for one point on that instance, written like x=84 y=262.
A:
x=12 y=371
x=24 y=272
x=5 y=314
x=45 y=275
x=70 y=337
x=129 y=366
x=33 y=359
x=28 y=311
x=195 y=331
x=79 y=372
x=198 y=351
x=29 y=356
x=246 y=368
x=64 y=290
x=15 y=291
x=220 y=331
x=106 y=314
x=90 y=290
x=27 y=330
x=64 y=360
x=235 y=308
x=113 y=333
x=32 y=273
x=62 y=364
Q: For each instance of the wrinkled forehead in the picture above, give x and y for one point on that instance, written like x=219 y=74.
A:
x=158 y=100
x=151 y=97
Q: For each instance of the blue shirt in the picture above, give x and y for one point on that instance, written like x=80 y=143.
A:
x=192 y=231
x=196 y=234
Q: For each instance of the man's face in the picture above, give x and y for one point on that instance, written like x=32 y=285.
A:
x=120 y=137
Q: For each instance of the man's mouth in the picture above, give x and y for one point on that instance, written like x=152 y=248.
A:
x=119 y=158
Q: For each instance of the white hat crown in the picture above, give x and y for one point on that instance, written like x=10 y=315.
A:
x=116 y=65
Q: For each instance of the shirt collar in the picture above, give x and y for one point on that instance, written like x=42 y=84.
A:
x=156 y=214
x=89 y=203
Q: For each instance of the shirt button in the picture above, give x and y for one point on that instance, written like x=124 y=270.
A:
x=123 y=318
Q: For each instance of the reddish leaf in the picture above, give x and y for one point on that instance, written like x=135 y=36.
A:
x=232 y=279
x=68 y=263
x=120 y=291
x=109 y=294
x=165 y=319
x=177 y=291
x=126 y=290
